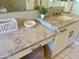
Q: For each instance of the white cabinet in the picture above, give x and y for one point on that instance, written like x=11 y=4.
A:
x=65 y=37
x=60 y=41
x=72 y=33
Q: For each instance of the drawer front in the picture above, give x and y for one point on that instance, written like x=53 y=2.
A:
x=72 y=33
x=48 y=40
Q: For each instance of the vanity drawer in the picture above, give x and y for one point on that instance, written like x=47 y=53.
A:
x=46 y=41
x=36 y=54
x=42 y=43
x=20 y=54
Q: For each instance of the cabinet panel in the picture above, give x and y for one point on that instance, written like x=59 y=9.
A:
x=60 y=40
x=72 y=33
x=65 y=37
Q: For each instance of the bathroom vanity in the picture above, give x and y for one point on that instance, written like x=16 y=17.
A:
x=66 y=26
x=19 y=43
x=68 y=30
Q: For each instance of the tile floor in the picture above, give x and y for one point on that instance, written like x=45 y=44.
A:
x=71 y=52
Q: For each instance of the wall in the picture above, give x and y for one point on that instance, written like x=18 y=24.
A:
x=30 y=4
x=13 y=5
x=75 y=8
x=19 y=4
x=45 y=3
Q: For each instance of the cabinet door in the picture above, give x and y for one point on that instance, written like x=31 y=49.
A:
x=60 y=40
x=65 y=37
x=72 y=33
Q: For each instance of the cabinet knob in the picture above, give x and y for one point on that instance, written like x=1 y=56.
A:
x=71 y=34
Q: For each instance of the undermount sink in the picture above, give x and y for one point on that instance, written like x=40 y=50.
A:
x=64 y=18
x=29 y=24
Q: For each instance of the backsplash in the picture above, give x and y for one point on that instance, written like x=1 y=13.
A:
x=23 y=14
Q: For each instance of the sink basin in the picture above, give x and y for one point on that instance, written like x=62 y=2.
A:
x=29 y=24
x=64 y=18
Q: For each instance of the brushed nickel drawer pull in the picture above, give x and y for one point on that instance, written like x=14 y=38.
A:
x=71 y=34
x=63 y=30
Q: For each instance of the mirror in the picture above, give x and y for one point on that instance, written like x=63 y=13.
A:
x=20 y=5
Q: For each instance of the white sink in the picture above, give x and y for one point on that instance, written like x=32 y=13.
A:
x=64 y=18
x=29 y=24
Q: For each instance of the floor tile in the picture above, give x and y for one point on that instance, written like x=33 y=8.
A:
x=71 y=52
x=74 y=55
x=57 y=57
x=67 y=57
x=65 y=52
x=72 y=46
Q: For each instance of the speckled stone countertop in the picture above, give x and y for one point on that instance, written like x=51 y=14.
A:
x=60 y=22
x=13 y=42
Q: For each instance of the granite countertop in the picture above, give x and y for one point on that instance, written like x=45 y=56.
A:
x=13 y=42
x=60 y=22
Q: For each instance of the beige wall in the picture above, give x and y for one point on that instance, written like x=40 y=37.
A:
x=30 y=4
x=21 y=5
x=45 y=3
x=13 y=5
